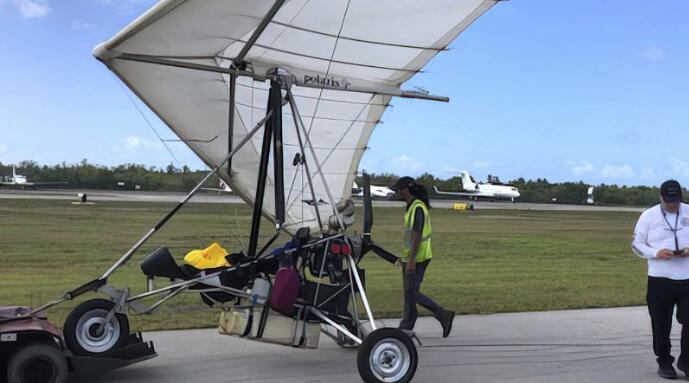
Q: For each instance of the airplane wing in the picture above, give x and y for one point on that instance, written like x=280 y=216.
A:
x=217 y=190
x=464 y=193
x=32 y=184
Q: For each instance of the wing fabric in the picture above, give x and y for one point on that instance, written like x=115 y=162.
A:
x=341 y=43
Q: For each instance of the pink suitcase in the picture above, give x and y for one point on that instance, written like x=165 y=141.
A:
x=285 y=290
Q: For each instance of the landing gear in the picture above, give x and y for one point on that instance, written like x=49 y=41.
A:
x=387 y=355
x=89 y=331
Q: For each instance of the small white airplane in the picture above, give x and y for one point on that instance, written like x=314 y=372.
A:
x=376 y=191
x=22 y=181
x=475 y=190
x=223 y=188
x=589 y=196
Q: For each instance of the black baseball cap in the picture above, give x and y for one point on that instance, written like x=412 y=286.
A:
x=671 y=191
x=402 y=183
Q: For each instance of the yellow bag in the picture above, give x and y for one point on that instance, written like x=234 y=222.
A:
x=209 y=258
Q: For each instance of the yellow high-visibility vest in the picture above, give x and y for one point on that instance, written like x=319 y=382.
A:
x=424 y=253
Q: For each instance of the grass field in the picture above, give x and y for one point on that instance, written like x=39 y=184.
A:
x=484 y=261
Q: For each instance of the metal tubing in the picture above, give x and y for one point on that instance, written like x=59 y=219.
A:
x=355 y=306
x=318 y=167
x=337 y=326
x=364 y=299
x=383 y=90
x=44 y=307
x=270 y=242
x=320 y=274
x=334 y=295
x=258 y=31
x=167 y=216
x=261 y=184
x=230 y=120
x=275 y=96
x=291 y=101
x=165 y=299
x=184 y=285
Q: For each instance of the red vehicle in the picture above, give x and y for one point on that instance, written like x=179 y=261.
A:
x=32 y=350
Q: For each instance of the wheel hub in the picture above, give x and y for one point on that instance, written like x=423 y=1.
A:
x=390 y=360
x=94 y=334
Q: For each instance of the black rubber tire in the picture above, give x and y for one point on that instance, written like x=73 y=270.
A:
x=37 y=363
x=70 y=328
x=392 y=334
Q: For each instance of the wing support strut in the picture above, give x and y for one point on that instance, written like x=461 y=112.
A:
x=272 y=131
x=239 y=60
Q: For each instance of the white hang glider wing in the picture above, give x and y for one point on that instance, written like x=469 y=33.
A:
x=347 y=59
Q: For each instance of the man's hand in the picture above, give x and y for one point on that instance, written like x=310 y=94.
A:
x=684 y=253
x=664 y=254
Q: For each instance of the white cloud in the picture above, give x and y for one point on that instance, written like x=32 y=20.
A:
x=406 y=163
x=32 y=9
x=481 y=164
x=679 y=167
x=580 y=167
x=647 y=173
x=127 y=6
x=617 y=171
x=654 y=53
x=449 y=169
x=133 y=143
x=83 y=26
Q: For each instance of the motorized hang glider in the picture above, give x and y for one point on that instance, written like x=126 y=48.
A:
x=206 y=69
x=279 y=98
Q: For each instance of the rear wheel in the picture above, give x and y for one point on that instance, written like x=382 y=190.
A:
x=37 y=363
x=87 y=333
x=387 y=355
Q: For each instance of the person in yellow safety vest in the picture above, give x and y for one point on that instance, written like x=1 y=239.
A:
x=417 y=254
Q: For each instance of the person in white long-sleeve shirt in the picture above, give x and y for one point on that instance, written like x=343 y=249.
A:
x=662 y=237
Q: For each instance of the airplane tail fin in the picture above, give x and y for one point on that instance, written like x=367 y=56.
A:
x=14 y=172
x=467 y=183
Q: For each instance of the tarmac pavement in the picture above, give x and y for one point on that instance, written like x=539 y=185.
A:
x=599 y=345
x=215 y=197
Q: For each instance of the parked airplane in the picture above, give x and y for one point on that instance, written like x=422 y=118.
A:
x=22 y=181
x=475 y=190
x=376 y=191
x=223 y=188
x=589 y=196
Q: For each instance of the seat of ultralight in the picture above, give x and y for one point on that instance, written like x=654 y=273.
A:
x=160 y=263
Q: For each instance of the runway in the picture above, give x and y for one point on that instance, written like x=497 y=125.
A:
x=214 y=197
x=602 y=345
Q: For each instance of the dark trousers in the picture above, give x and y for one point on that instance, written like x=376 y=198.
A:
x=662 y=296
x=413 y=296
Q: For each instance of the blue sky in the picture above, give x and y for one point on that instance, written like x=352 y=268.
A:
x=567 y=90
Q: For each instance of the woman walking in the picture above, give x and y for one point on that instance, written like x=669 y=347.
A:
x=417 y=255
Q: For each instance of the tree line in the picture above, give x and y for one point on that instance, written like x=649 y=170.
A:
x=84 y=175
x=543 y=191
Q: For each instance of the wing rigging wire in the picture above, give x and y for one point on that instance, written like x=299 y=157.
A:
x=150 y=125
x=327 y=71
x=332 y=150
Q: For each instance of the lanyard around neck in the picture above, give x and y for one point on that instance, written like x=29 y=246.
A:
x=675 y=229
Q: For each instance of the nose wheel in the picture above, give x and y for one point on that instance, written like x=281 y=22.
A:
x=387 y=355
x=89 y=331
